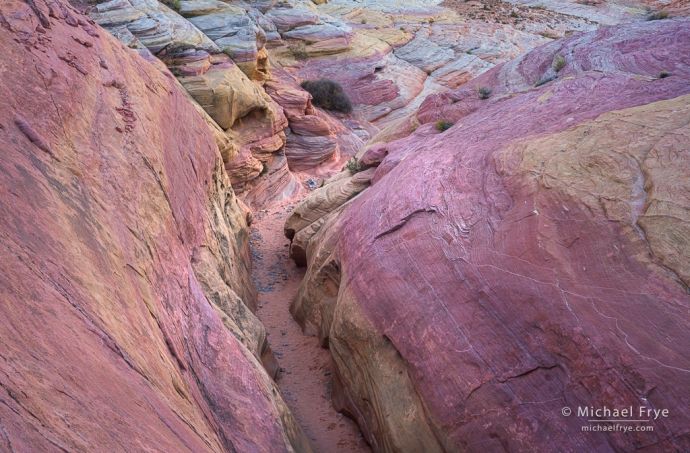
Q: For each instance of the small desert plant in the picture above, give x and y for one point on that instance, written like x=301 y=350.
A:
x=514 y=14
x=328 y=94
x=431 y=21
x=298 y=51
x=428 y=72
x=443 y=125
x=353 y=165
x=558 y=63
x=229 y=52
x=546 y=34
x=364 y=21
x=664 y=74
x=483 y=92
x=174 y=4
x=264 y=169
x=468 y=52
x=176 y=72
x=540 y=6
x=663 y=14
x=402 y=27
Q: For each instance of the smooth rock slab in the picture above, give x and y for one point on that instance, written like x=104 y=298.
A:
x=127 y=300
x=154 y=24
x=532 y=257
x=226 y=94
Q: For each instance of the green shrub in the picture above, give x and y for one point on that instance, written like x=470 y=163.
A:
x=558 y=63
x=298 y=51
x=264 y=169
x=540 y=6
x=483 y=92
x=443 y=125
x=514 y=14
x=664 y=74
x=663 y=14
x=364 y=21
x=173 y=4
x=328 y=94
x=353 y=165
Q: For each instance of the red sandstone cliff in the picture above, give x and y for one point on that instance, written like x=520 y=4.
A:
x=125 y=292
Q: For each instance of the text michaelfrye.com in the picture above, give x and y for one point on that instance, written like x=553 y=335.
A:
x=628 y=419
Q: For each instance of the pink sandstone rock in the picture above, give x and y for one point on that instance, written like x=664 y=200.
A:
x=534 y=256
x=125 y=267
x=316 y=136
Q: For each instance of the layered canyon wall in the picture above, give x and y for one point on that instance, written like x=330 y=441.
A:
x=524 y=250
x=125 y=264
x=469 y=282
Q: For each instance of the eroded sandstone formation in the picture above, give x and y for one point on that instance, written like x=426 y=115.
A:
x=127 y=301
x=534 y=256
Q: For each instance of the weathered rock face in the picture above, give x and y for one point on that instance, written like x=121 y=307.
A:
x=532 y=257
x=608 y=12
x=397 y=54
x=156 y=26
x=124 y=260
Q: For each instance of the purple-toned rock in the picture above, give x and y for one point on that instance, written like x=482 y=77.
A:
x=533 y=256
x=126 y=295
x=286 y=16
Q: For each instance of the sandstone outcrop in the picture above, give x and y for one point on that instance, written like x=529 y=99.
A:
x=125 y=265
x=231 y=87
x=397 y=55
x=155 y=25
x=534 y=256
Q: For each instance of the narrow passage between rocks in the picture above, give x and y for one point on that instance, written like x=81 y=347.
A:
x=306 y=378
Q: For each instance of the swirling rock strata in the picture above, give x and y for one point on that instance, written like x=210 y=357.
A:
x=532 y=257
x=125 y=265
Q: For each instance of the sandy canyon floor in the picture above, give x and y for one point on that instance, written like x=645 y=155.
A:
x=305 y=378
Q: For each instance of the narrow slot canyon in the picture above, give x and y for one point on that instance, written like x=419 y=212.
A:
x=306 y=375
x=344 y=226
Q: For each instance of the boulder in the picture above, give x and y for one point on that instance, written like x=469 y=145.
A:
x=226 y=94
x=304 y=151
x=226 y=22
x=193 y=8
x=532 y=257
x=154 y=24
x=285 y=17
